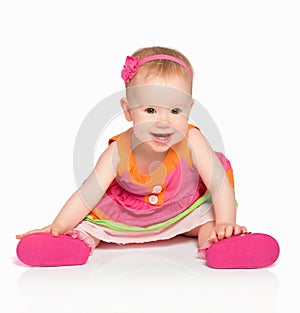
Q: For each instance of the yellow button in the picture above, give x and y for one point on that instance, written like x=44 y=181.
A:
x=157 y=189
x=153 y=199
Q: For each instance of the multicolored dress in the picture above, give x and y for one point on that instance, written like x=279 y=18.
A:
x=138 y=207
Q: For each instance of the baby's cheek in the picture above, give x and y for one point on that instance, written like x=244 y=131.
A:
x=141 y=133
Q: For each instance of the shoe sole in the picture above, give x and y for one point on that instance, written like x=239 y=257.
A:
x=42 y=249
x=253 y=250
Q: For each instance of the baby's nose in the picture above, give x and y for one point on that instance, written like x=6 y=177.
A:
x=162 y=123
x=164 y=117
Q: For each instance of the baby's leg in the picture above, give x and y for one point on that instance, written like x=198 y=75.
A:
x=202 y=232
x=91 y=241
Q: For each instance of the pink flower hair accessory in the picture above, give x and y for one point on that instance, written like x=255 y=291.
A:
x=130 y=68
x=132 y=64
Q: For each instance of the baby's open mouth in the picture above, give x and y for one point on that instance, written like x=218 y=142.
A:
x=161 y=137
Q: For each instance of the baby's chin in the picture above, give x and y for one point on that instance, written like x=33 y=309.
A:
x=158 y=147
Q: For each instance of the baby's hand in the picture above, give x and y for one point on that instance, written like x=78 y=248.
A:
x=222 y=231
x=50 y=229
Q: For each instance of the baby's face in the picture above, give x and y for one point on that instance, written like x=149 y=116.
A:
x=159 y=109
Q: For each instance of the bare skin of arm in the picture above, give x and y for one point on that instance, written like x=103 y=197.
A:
x=214 y=176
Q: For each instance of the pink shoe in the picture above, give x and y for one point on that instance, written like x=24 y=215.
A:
x=41 y=249
x=243 y=251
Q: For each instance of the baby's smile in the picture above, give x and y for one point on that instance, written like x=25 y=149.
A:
x=162 y=137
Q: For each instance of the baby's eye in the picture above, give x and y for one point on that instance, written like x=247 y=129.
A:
x=150 y=110
x=175 y=111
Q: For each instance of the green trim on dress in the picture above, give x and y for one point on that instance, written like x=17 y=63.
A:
x=127 y=228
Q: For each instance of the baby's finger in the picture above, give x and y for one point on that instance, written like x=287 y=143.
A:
x=221 y=234
x=54 y=232
x=20 y=236
x=213 y=237
x=244 y=229
x=229 y=231
x=237 y=230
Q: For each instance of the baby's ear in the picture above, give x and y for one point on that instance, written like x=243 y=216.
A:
x=126 y=109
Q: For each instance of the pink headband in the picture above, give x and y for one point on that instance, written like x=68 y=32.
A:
x=132 y=64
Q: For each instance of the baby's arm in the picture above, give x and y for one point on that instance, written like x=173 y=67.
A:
x=86 y=197
x=214 y=176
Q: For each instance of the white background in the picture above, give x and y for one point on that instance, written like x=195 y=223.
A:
x=61 y=58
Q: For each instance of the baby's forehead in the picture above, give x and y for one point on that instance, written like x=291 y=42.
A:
x=160 y=95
